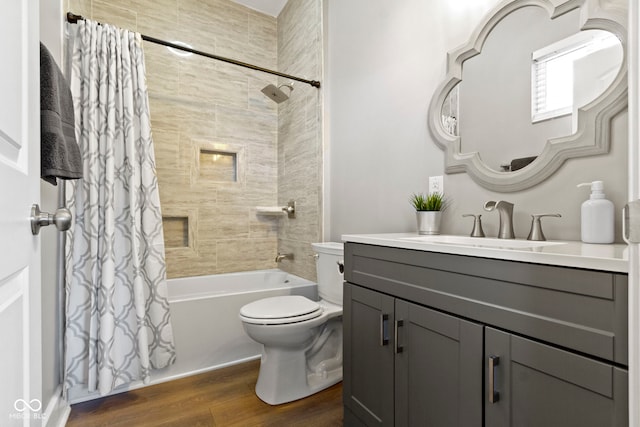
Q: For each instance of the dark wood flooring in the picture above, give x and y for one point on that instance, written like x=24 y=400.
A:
x=224 y=397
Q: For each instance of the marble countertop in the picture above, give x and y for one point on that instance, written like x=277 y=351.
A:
x=611 y=257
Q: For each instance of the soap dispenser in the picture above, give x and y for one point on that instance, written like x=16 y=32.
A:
x=596 y=216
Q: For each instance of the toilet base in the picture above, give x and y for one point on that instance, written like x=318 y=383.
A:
x=284 y=377
x=298 y=359
x=288 y=374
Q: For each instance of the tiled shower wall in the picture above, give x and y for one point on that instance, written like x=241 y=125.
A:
x=216 y=135
x=300 y=133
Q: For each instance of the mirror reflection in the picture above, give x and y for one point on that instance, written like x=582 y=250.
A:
x=450 y=112
x=572 y=72
x=526 y=86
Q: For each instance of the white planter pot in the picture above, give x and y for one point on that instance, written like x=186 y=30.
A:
x=428 y=222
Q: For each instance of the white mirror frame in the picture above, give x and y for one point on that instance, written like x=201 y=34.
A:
x=594 y=119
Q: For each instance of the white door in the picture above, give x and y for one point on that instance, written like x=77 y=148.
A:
x=20 y=355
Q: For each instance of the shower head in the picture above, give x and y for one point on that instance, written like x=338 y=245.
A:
x=276 y=94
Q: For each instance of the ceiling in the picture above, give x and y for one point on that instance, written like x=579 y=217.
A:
x=268 y=7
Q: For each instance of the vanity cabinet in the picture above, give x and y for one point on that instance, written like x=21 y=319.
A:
x=435 y=339
x=409 y=365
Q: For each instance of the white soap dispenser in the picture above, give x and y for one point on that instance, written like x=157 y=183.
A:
x=596 y=216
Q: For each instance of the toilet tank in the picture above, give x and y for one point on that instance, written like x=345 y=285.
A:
x=329 y=259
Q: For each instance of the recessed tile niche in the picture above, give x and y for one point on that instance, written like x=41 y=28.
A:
x=219 y=165
x=176 y=231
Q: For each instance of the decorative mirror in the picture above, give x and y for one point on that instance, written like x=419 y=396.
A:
x=538 y=83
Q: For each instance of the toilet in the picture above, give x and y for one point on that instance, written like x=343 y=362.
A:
x=301 y=339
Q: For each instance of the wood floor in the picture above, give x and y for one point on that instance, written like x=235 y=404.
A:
x=223 y=397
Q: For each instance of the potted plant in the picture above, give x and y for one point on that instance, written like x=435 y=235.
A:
x=428 y=211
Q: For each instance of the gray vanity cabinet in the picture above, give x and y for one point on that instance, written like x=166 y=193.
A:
x=420 y=330
x=535 y=384
x=368 y=358
x=423 y=370
x=438 y=368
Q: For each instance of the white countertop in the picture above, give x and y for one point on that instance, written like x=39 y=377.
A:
x=611 y=257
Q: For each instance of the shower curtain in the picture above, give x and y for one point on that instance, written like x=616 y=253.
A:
x=117 y=313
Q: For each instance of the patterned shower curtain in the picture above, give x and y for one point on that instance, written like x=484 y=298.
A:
x=117 y=313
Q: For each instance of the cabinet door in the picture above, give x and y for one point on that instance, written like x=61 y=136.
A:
x=538 y=385
x=368 y=356
x=438 y=368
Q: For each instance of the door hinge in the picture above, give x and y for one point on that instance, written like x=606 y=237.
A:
x=631 y=222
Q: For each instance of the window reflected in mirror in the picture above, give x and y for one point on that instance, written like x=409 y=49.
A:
x=572 y=72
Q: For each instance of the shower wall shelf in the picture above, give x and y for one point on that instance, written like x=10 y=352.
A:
x=290 y=209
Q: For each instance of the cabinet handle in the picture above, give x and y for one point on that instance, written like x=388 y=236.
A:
x=384 y=329
x=494 y=396
x=396 y=346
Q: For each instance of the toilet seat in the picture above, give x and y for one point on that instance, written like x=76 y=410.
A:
x=280 y=310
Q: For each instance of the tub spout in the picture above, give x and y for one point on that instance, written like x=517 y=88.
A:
x=505 y=209
x=280 y=257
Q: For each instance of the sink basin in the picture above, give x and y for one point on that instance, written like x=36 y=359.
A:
x=481 y=242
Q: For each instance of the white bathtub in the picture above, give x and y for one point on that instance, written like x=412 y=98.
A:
x=207 y=331
x=204 y=313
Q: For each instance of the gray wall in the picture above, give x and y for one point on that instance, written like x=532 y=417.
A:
x=384 y=62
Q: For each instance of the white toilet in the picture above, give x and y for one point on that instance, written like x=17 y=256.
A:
x=302 y=339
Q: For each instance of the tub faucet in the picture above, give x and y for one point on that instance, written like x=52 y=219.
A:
x=505 y=209
x=280 y=257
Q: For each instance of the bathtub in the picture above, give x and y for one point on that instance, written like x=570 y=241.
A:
x=207 y=331
x=204 y=314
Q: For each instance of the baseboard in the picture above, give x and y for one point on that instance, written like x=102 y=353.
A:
x=57 y=411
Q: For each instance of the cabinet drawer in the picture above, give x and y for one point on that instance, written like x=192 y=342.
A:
x=583 y=310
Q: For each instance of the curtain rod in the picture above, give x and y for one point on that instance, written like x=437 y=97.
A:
x=73 y=19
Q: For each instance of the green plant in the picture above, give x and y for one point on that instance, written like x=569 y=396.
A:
x=430 y=202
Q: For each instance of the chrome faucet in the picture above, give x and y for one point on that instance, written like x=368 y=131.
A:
x=280 y=257
x=505 y=209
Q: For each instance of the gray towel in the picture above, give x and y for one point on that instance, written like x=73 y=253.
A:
x=59 y=153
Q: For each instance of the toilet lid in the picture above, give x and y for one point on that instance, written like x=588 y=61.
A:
x=294 y=308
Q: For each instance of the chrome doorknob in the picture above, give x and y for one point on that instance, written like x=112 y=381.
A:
x=61 y=218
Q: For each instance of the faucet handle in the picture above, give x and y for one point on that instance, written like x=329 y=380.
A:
x=536 y=226
x=477 y=225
